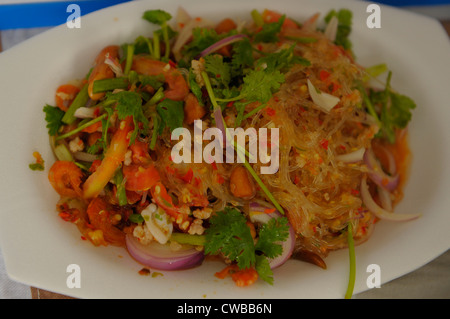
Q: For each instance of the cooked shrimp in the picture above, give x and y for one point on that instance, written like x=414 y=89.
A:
x=177 y=86
x=65 y=177
x=102 y=70
x=103 y=217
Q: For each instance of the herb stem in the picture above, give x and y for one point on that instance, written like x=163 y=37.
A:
x=351 y=251
x=158 y=96
x=369 y=105
x=156 y=49
x=130 y=52
x=155 y=131
x=239 y=151
x=81 y=127
x=254 y=111
x=236 y=98
x=166 y=39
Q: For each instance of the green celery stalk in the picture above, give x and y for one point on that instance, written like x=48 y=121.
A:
x=188 y=239
x=62 y=153
x=257 y=18
x=104 y=85
x=79 y=101
x=121 y=193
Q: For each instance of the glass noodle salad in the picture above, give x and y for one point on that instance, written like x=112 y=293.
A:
x=341 y=150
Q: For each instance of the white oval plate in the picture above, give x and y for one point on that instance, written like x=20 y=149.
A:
x=38 y=246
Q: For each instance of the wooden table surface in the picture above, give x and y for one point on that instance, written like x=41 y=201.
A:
x=37 y=293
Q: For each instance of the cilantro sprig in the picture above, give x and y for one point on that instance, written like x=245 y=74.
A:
x=269 y=31
x=128 y=103
x=390 y=109
x=159 y=17
x=229 y=234
x=53 y=117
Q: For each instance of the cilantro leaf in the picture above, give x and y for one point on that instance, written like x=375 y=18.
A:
x=36 y=166
x=171 y=113
x=53 y=117
x=282 y=60
x=229 y=234
x=158 y=17
x=270 y=236
x=155 y=81
x=242 y=57
x=395 y=110
x=195 y=88
x=260 y=85
x=220 y=70
x=263 y=269
x=269 y=32
x=129 y=104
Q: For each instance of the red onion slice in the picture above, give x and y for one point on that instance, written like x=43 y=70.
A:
x=218 y=117
x=161 y=257
x=220 y=44
x=257 y=215
x=392 y=166
x=376 y=173
x=377 y=210
x=385 y=199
